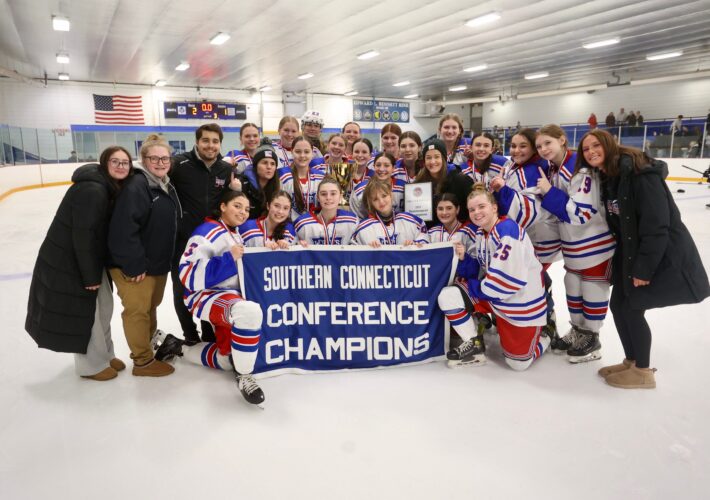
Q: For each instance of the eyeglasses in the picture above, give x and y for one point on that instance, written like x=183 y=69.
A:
x=115 y=162
x=165 y=160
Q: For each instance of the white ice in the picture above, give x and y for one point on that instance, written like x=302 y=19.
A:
x=555 y=431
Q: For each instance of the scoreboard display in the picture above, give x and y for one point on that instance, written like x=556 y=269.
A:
x=205 y=110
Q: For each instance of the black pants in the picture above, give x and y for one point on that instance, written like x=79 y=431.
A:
x=632 y=327
x=189 y=330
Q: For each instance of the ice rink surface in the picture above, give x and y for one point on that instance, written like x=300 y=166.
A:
x=429 y=432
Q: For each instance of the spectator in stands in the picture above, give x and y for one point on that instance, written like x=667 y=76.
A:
x=610 y=119
x=677 y=125
x=639 y=119
x=74 y=158
x=621 y=117
x=592 y=121
x=631 y=119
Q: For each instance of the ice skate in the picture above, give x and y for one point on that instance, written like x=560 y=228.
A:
x=586 y=348
x=563 y=344
x=250 y=389
x=170 y=348
x=550 y=331
x=157 y=338
x=484 y=324
x=471 y=352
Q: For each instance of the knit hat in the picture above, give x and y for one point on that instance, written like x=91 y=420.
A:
x=436 y=144
x=264 y=151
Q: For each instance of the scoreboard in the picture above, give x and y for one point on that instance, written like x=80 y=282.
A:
x=205 y=110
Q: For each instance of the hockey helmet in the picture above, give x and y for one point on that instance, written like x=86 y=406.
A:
x=311 y=116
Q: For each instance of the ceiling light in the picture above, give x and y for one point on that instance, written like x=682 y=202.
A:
x=62 y=58
x=220 y=38
x=64 y=76
x=182 y=66
x=411 y=96
x=305 y=76
x=60 y=23
x=401 y=84
x=480 y=67
x=161 y=83
x=352 y=92
x=664 y=55
x=368 y=55
x=457 y=88
x=535 y=76
x=484 y=19
x=601 y=43
x=265 y=88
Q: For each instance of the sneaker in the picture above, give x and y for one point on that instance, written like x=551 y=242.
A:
x=249 y=388
x=563 y=344
x=170 y=348
x=633 y=378
x=608 y=370
x=106 y=374
x=154 y=368
x=470 y=352
x=586 y=348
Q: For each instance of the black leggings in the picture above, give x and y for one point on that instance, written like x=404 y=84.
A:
x=632 y=327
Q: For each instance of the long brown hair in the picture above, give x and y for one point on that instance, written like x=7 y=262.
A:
x=280 y=230
x=297 y=193
x=437 y=182
x=374 y=186
x=103 y=165
x=419 y=162
x=487 y=162
x=612 y=153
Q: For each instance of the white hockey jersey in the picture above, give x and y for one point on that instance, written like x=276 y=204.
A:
x=495 y=168
x=242 y=160
x=404 y=227
x=309 y=189
x=357 y=204
x=254 y=232
x=312 y=229
x=464 y=232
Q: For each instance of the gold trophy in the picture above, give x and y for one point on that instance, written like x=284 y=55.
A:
x=343 y=173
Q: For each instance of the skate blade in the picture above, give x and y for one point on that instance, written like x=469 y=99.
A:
x=476 y=361
x=559 y=351
x=592 y=356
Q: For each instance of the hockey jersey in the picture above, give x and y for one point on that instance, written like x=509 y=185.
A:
x=465 y=232
x=512 y=276
x=207 y=264
x=357 y=204
x=575 y=200
x=312 y=229
x=242 y=160
x=457 y=156
x=404 y=227
x=309 y=189
x=495 y=168
x=254 y=232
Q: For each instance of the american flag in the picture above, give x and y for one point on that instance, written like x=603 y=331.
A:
x=114 y=109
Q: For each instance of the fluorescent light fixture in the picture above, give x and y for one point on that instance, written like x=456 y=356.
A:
x=411 y=96
x=484 y=19
x=457 y=88
x=161 y=83
x=60 y=23
x=62 y=58
x=64 y=76
x=305 y=76
x=473 y=69
x=182 y=66
x=352 y=92
x=601 y=43
x=368 y=55
x=220 y=38
x=535 y=76
x=265 y=88
x=664 y=55
x=401 y=84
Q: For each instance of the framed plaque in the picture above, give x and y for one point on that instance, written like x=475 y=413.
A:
x=418 y=200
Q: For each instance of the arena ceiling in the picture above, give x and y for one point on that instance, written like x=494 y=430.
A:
x=424 y=42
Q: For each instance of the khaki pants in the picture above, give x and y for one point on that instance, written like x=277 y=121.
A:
x=140 y=302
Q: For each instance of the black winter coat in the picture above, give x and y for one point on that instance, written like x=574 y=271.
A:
x=141 y=237
x=652 y=242
x=60 y=311
x=199 y=189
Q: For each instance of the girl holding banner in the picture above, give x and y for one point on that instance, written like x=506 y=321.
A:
x=273 y=230
x=329 y=225
x=510 y=287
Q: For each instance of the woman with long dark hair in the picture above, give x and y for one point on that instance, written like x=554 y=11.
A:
x=656 y=263
x=70 y=303
x=273 y=229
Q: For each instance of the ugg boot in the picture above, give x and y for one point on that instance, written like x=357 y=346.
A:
x=106 y=374
x=633 y=378
x=117 y=364
x=153 y=368
x=608 y=370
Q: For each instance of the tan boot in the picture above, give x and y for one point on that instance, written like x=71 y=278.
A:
x=117 y=364
x=106 y=374
x=633 y=378
x=154 y=368
x=608 y=370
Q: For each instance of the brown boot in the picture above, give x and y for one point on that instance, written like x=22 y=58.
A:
x=608 y=370
x=154 y=368
x=633 y=378
x=106 y=374
x=117 y=364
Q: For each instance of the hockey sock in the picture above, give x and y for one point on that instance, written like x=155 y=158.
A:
x=206 y=354
x=573 y=289
x=595 y=304
x=451 y=303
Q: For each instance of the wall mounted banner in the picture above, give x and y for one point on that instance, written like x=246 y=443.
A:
x=333 y=308
x=369 y=110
